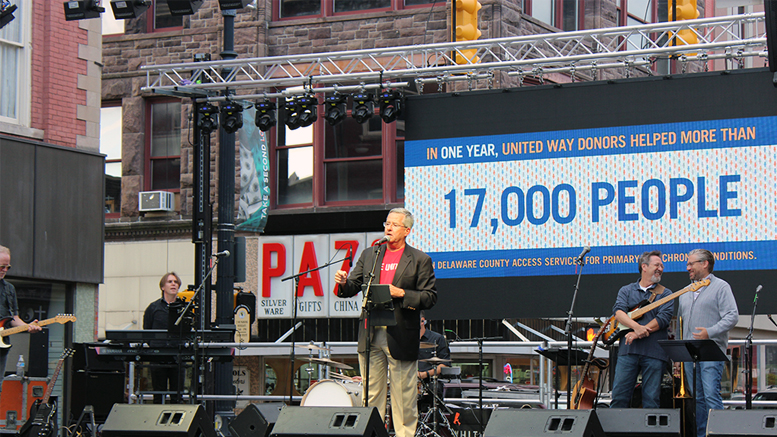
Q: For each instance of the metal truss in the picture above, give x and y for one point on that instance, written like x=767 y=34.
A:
x=731 y=37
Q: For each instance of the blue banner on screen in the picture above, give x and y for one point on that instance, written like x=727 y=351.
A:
x=526 y=204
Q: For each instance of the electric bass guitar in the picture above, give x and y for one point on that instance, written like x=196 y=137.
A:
x=41 y=421
x=5 y=332
x=614 y=332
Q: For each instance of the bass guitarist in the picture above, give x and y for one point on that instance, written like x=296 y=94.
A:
x=9 y=307
x=639 y=350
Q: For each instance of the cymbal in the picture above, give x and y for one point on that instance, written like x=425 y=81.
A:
x=314 y=347
x=435 y=360
x=330 y=363
x=426 y=345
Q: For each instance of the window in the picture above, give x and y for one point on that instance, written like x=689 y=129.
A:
x=110 y=145
x=295 y=164
x=15 y=93
x=353 y=160
x=635 y=13
x=562 y=14
x=164 y=145
x=311 y=8
x=162 y=17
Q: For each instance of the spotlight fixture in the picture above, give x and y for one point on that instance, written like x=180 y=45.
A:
x=207 y=125
x=335 y=111
x=82 y=9
x=292 y=113
x=231 y=116
x=6 y=12
x=308 y=110
x=363 y=107
x=123 y=9
x=183 y=7
x=390 y=105
x=233 y=4
x=265 y=115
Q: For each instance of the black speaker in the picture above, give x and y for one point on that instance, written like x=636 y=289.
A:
x=328 y=422
x=257 y=420
x=544 y=423
x=99 y=389
x=626 y=422
x=175 y=420
x=739 y=423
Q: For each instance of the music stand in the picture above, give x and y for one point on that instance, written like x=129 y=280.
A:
x=694 y=351
x=382 y=307
x=561 y=357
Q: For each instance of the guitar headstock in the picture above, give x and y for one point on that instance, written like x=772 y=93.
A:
x=698 y=284
x=64 y=318
x=67 y=353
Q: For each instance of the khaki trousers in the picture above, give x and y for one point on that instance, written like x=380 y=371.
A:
x=404 y=384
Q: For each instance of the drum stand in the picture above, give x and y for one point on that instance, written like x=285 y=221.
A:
x=423 y=429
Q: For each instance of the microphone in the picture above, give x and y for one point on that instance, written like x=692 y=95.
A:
x=757 y=290
x=583 y=253
x=350 y=261
x=383 y=240
x=224 y=253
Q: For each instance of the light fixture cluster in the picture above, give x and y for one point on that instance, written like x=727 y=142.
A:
x=126 y=9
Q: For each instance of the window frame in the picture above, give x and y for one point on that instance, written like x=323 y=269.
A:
x=558 y=14
x=151 y=21
x=147 y=166
x=24 y=70
x=327 y=9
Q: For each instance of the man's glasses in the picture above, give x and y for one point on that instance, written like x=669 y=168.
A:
x=690 y=263
x=5 y=267
x=393 y=225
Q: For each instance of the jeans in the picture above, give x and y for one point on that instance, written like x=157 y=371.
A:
x=708 y=375
x=626 y=371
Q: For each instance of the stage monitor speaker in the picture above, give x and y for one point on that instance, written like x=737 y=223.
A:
x=543 y=423
x=741 y=423
x=329 y=422
x=256 y=420
x=626 y=422
x=172 y=420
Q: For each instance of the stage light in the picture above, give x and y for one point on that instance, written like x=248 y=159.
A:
x=363 y=107
x=207 y=125
x=390 y=105
x=83 y=9
x=308 y=110
x=292 y=113
x=183 y=7
x=6 y=12
x=233 y=4
x=335 y=105
x=265 y=115
x=124 y=9
x=231 y=116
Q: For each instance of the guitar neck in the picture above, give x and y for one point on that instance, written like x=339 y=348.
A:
x=18 y=329
x=693 y=287
x=50 y=388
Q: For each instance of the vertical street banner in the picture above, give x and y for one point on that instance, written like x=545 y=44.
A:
x=254 y=176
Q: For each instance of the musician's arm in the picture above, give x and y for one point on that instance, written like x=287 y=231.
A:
x=32 y=327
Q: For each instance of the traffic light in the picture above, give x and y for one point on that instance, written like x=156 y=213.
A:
x=467 y=28
x=685 y=10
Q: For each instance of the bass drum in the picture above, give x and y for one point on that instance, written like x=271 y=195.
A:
x=331 y=393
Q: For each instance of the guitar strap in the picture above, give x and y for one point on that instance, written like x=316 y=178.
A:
x=655 y=291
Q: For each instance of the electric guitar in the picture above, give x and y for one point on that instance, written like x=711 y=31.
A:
x=614 y=332
x=41 y=421
x=4 y=332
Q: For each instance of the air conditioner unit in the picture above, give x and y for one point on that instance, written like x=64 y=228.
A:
x=155 y=201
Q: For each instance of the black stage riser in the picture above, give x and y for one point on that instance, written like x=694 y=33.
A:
x=329 y=422
x=544 y=423
x=256 y=420
x=742 y=423
x=631 y=422
x=178 y=420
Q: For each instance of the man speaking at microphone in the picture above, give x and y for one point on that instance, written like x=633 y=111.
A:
x=410 y=275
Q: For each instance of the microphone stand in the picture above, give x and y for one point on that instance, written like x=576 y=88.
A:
x=568 y=332
x=197 y=334
x=294 y=316
x=480 y=376
x=749 y=357
x=367 y=308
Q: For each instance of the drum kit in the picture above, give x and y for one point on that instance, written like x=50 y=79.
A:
x=339 y=390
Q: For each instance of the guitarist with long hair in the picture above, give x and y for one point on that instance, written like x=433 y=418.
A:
x=639 y=350
x=9 y=307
